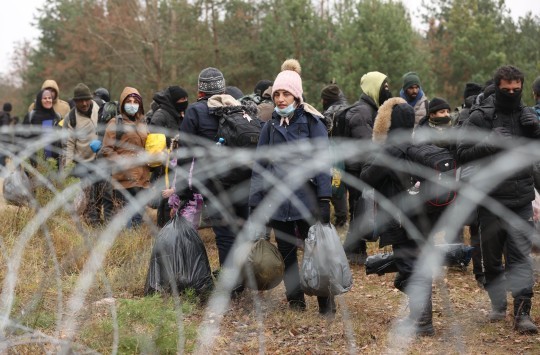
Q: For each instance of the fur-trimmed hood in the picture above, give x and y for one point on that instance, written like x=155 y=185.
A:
x=390 y=117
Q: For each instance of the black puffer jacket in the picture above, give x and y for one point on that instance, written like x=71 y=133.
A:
x=517 y=190
x=165 y=119
x=390 y=182
x=360 y=119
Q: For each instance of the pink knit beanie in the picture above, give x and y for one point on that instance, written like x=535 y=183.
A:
x=289 y=79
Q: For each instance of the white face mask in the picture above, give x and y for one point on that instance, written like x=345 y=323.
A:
x=286 y=111
x=131 y=109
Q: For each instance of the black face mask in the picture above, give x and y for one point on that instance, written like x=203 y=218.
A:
x=507 y=101
x=181 y=106
x=440 y=120
x=384 y=94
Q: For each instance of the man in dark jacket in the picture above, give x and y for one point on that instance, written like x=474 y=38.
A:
x=503 y=117
x=169 y=106
x=360 y=119
x=199 y=128
x=334 y=101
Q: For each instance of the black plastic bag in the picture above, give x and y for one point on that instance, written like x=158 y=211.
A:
x=18 y=188
x=380 y=264
x=264 y=267
x=325 y=268
x=454 y=255
x=178 y=259
x=457 y=254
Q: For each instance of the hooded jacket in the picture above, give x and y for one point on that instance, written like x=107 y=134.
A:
x=165 y=119
x=121 y=151
x=361 y=116
x=391 y=183
x=60 y=106
x=517 y=190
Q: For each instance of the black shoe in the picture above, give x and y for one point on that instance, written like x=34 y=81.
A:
x=327 y=306
x=522 y=316
x=480 y=280
x=297 y=305
x=524 y=325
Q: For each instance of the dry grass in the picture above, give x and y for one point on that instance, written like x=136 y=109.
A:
x=149 y=324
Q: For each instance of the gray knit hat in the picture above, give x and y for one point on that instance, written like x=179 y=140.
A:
x=211 y=81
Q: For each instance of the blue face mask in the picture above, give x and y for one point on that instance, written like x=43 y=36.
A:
x=286 y=111
x=131 y=109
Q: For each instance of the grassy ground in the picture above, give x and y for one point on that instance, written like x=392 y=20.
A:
x=116 y=315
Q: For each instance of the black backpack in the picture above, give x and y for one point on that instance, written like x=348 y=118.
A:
x=341 y=123
x=439 y=191
x=237 y=129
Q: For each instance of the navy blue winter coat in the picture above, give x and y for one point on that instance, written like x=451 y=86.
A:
x=303 y=125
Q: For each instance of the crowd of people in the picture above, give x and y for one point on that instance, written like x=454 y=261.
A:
x=494 y=111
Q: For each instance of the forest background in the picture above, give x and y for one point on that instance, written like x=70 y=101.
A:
x=150 y=44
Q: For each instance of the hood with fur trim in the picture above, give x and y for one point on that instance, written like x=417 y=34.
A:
x=389 y=117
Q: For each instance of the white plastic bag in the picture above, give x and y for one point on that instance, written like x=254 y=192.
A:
x=325 y=268
x=18 y=188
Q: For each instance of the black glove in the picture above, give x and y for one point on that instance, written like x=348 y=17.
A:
x=324 y=210
x=528 y=119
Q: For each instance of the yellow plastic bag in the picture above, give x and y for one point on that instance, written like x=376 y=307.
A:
x=156 y=147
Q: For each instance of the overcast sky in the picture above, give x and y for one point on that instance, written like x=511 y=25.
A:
x=18 y=17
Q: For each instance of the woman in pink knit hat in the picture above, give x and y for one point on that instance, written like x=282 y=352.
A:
x=293 y=121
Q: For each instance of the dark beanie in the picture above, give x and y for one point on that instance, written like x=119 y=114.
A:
x=177 y=93
x=437 y=104
x=261 y=87
x=472 y=89
x=7 y=107
x=234 y=92
x=330 y=93
x=211 y=81
x=402 y=117
x=410 y=79
x=536 y=86
x=82 y=92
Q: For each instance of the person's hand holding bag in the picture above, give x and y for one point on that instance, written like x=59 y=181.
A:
x=324 y=210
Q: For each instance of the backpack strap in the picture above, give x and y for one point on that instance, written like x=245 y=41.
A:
x=72 y=118
x=31 y=116
x=119 y=130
